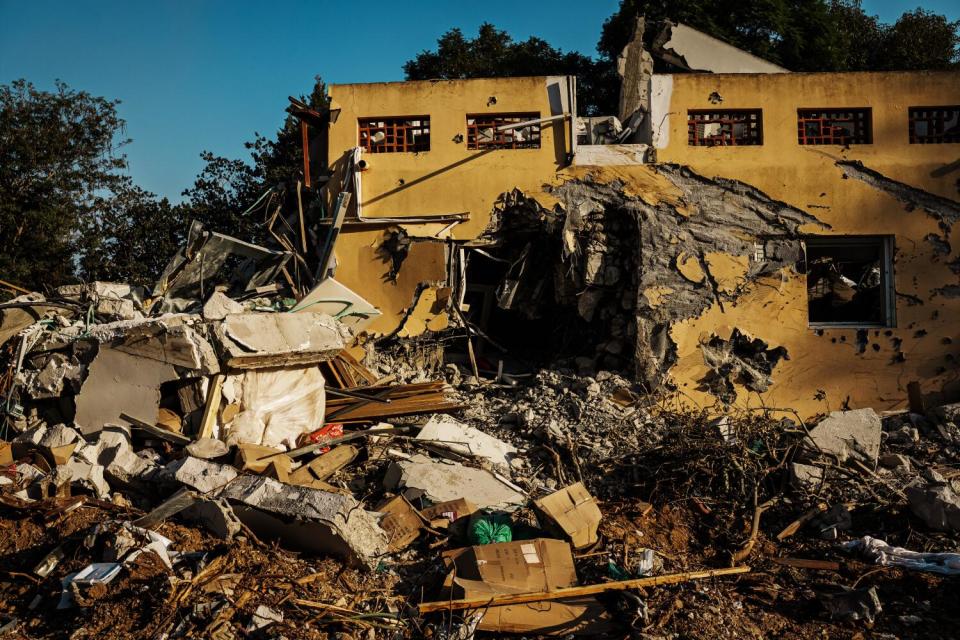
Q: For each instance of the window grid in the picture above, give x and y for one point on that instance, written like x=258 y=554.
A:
x=734 y=128
x=934 y=125
x=834 y=126
x=403 y=134
x=482 y=131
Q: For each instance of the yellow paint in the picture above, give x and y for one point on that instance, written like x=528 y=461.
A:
x=807 y=178
x=451 y=179
x=689 y=267
x=727 y=271
x=656 y=295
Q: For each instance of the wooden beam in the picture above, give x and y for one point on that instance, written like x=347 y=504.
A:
x=212 y=408
x=572 y=592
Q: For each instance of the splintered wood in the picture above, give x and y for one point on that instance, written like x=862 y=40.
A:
x=391 y=400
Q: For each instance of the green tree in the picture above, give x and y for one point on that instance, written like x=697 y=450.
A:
x=493 y=53
x=802 y=35
x=59 y=162
x=226 y=188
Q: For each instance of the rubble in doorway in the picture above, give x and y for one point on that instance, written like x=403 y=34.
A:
x=610 y=261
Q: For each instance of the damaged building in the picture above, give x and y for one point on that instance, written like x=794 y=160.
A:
x=738 y=233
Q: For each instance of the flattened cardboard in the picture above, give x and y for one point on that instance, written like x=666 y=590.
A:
x=400 y=521
x=253 y=457
x=524 y=566
x=574 y=512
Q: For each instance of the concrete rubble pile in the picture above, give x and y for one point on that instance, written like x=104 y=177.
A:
x=191 y=462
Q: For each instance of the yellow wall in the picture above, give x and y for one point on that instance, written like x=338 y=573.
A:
x=451 y=179
x=807 y=177
x=447 y=179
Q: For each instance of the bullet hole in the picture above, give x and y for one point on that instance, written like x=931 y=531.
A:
x=822 y=195
x=900 y=357
x=888 y=332
x=820 y=395
x=946 y=340
x=843 y=338
x=401 y=182
x=833 y=340
x=897 y=343
x=919 y=333
x=875 y=346
x=458 y=138
x=715 y=98
x=819 y=332
x=876 y=334
x=492 y=100
x=862 y=340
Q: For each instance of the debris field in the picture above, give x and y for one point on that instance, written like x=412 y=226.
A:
x=192 y=464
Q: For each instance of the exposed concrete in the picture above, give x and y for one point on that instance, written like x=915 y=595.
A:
x=216 y=515
x=443 y=481
x=943 y=210
x=740 y=360
x=307 y=518
x=850 y=434
x=256 y=340
x=449 y=433
x=635 y=66
x=208 y=448
x=202 y=475
x=219 y=305
x=937 y=506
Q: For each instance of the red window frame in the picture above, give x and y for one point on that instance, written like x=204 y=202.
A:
x=736 y=127
x=936 y=120
x=482 y=131
x=400 y=134
x=835 y=126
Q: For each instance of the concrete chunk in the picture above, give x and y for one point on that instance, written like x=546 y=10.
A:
x=449 y=433
x=850 y=434
x=216 y=515
x=219 y=305
x=308 y=519
x=256 y=340
x=201 y=475
x=937 y=506
x=207 y=448
x=444 y=481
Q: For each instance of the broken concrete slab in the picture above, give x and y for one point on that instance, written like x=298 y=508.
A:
x=937 y=506
x=88 y=476
x=337 y=300
x=117 y=383
x=308 y=519
x=219 y=305
x=444 y=481
x=257 y=340
x=449 y=433
x=59 y=373
x=850 y=434
x=114 y=451
x=216 y=515
x=201 y=475
x=806 y=476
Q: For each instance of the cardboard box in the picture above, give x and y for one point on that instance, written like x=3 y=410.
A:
x=572 y=511
x=401 y=522
x=6 y=453
x=524 y=566
x=452 y=514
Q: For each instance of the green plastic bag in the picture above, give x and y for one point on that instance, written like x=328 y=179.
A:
x=487 y=529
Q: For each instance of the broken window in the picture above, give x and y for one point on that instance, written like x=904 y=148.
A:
x=731 y=127
x=934 y=125
x=395 y=135
x=834 y=126
x=850 y=281
x=499 y=131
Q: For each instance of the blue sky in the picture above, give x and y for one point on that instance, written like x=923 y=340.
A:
x=205 y=74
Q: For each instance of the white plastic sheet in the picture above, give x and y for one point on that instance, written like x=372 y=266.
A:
x=883 y=554
x=277 y=405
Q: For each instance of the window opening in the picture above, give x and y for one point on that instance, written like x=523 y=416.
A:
x=739 y=127
x=395 y=135
x=850 y=281
x=834 y=126
x=934 y=125
x=482 y=131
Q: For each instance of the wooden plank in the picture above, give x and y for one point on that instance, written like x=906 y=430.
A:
x=573 y=592
x=167 y=509
x=804 y=563
x=154 y=430
x=326 y=465
x=212 y=407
